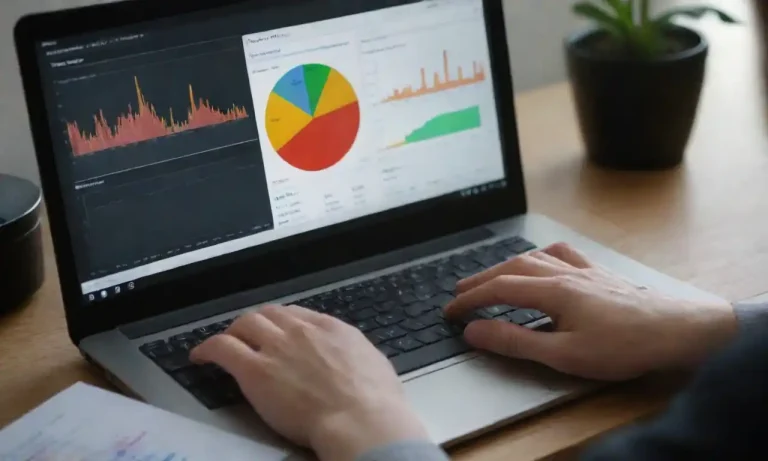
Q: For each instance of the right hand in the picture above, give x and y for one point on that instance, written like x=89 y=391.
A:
x=605 y=327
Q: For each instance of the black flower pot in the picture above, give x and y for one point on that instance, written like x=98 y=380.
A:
x=637 y=114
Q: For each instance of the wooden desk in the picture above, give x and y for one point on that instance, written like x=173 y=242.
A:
x=705 y=223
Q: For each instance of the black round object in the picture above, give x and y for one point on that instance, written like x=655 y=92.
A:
x=637 y=114
x=21 y=246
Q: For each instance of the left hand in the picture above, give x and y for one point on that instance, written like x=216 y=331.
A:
x=315 y=380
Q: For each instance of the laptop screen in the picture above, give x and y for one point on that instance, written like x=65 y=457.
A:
x=180 y=141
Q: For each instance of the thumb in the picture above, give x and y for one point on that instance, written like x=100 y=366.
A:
x=512 y=341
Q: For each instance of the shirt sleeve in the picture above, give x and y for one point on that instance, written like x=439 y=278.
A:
x=752 y=316
x=721 y=415
x=414 y=450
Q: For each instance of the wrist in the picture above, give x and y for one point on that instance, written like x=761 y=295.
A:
x=347 y=435
x=702 y=329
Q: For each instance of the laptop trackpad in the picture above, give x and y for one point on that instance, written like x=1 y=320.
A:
x=475 y=395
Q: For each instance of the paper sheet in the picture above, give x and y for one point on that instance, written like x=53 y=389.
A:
x=84 y=423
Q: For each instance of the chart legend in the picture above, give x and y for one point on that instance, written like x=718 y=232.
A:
x=444 y=125
x=447 y=81
x=144 y=123
x=312 y=117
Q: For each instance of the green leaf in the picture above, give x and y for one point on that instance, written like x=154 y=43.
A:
x=623 y=11
x=603 y=18
x=694 y=12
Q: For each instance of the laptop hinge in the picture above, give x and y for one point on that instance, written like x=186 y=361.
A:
x=265 y=294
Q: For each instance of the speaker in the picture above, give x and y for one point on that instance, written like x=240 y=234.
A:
x=21 y=242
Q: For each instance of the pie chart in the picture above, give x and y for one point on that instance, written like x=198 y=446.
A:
x=313 y=117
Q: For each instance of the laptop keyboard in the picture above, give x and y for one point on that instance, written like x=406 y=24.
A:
x=400 y=313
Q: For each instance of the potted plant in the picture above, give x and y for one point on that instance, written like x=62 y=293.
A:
x=637 y=80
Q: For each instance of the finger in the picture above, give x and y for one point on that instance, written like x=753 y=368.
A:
x=228 y=352
x=255 y=330
x=542 y=256
x=569 y=254
x=284 y=316
x=529 y=292
x=512 y=341
x=525 y=265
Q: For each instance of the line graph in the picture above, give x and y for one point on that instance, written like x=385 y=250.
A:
x=51 y=447
x=444 y=83
x=145 y=123
x=87 y=424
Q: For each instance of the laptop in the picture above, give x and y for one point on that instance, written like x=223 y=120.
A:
x=356 y=157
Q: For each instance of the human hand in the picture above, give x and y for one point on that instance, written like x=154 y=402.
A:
x=606 y=327
x=316 y=380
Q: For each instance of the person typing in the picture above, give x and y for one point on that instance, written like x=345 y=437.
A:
x=319 y=382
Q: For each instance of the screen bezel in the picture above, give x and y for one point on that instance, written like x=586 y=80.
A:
x=295 y=256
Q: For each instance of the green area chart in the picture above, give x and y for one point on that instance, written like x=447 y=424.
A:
x=444 y=125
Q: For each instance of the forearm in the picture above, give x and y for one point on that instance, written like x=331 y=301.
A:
x=750 y=317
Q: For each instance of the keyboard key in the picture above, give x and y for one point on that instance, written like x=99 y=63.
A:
x=425 y=291
x=490 y=259
x=156 y=349
x=189 y=377
x=361 y=304
x=203 y=332
x=174 y=362
x=366 y=325
x=518 y=246
x=219 y=327
x=413 y=325
x=387 y=350
x=406 y=298
x=428 y=337
x=153 y=345
x=480 y=314
x=521 y=317
x=339 y=314
x=390 y=318
x=496 y=311
x=405 y=344
x=388 y=333
x=181 y=338
x=466 y=264
x=440 y=300
x=448 y=283
x=430 y=319
x=444 y=331
x=386 y=306
x=363 y=314
x=428 y=355
x=321 y=306
x=187 y=345
x=415 y=310
x=374 y=338
x=536 y=315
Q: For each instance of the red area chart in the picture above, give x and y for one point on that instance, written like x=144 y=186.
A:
x=144 y=123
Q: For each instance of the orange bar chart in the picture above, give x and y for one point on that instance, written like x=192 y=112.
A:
x=440 y=83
